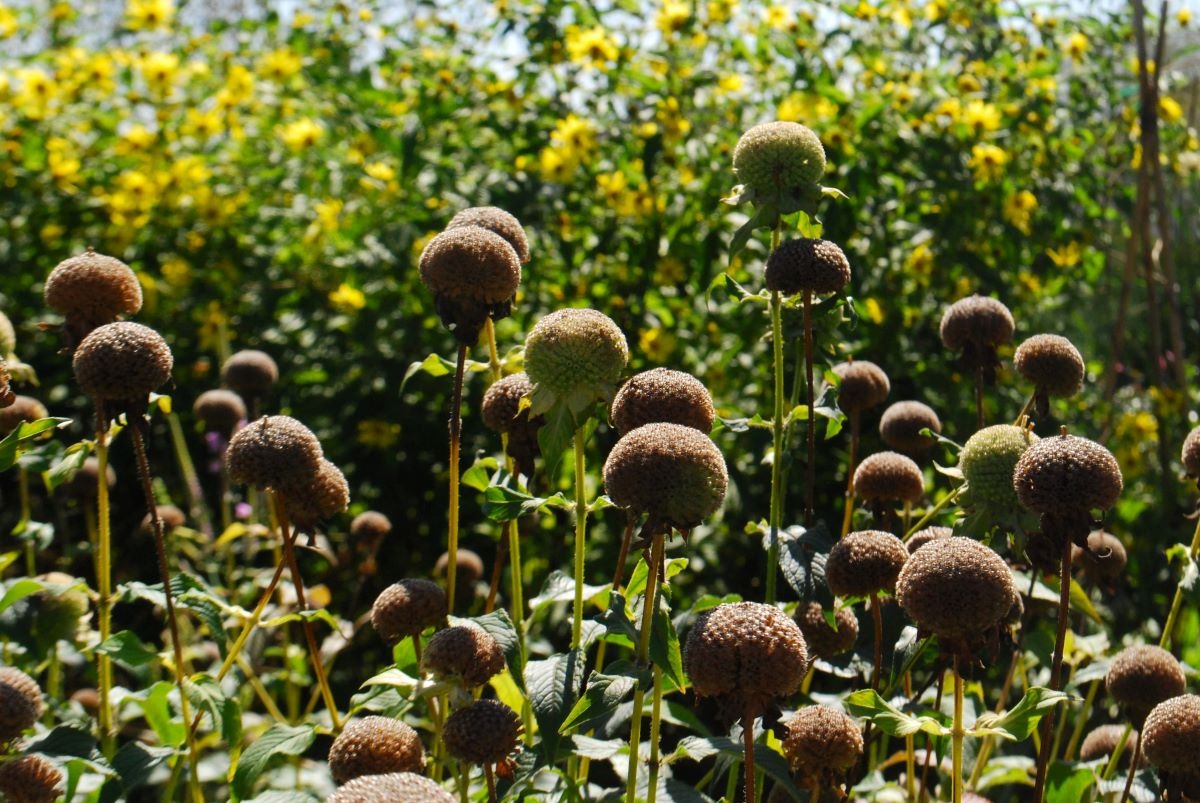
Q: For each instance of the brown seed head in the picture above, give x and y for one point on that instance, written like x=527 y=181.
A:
x=502 y=400
x=122 y=361
x=7 y=396
x=23 y=409
x=822 y=744
x=1102 y=740
x=1142 y=676
x=464 y=652
x=889 y=476
x=901 y=425
x=392 y=787
x=1191 y=453
x=276 y=452
x=864 y=385
x=955 y=588
x=864 y=563
x=374 y=746
x=406 y=608
x=818 y=266
x=250 y=373
x=1104 y=558
x=170 y=515
x=1067 y=472
x=1051 y=363
x=979 y=320
x=30 y=779
x=93 y=289
x=661 y=395
x=324 y=496
x=497 y=221
x=370 y=525
x=1171 y=737
x=822 y=640
x=484 y=732
x=922 y=537
x=471 y=263
x=21 y=703
x=220 y=410
x=468 y=570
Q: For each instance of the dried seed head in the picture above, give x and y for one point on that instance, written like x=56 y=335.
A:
x=745 y=654
x=576 y=354
x=822 y=640
x=471 y=263
x=220 y=410
x=370 y=525
x=922 y=537
x=250 y=373
x=465 y=653
x=406 y=608
x=818 y=266
x=374 y=746
x=1101 y=742
x=29 y=779
x=673 y=473
x=484 y=732
x=661 y=395
x=122 y=361
x=85 y=482
x=325 y=495
x=21 y=703
x=7 y=396
x=1191 y=453
x=888 y=476
x=1171 y=737
x=957 y=589
x=276 y=452
x=23 y=409
x=392 y=787
x=864 y=385
x=8 y=337
x=901 y=425
x=497 y=221
x=1104 y=558
x=774 y=158
x=92 y=289
x=1142 y=676
x=468 y=567
x=170 y=516
x=1051 y=363
x=1067 y=472
x=822 y=745
x=503 y=400
x=864 y=563
x=977 y=320
x=987 y=461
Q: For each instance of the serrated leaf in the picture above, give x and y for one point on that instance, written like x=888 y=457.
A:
x=1019 y=722
x=134 y=763
x=867 y=704
x=616 y=619
x=500 y=626
x=157 y=710
x=501 y=503
x=604 y=693
x=802 y=555
x=664 y=646
x=597 y=749
x=205 y=693
x=66 y=740
x=553 y=686
x=560 y=587
x=126 y=648
x=279 y=740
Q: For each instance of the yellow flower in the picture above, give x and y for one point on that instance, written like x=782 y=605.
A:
x=136 y=139
x=37 y=91
x=1169 y=109
x=730 y=82
x=1076 y=46
x=239 y=87
x=1065 y=257
x=376 y=433
x=149 y=15
x=1019 y=208
x=670 y=270
x=379 y=175
x=873 y=311
x=673 y=15
x=968 y=83
x=935 y=10
x=177 y=272
x=347 y=298
x=8 y=22
x=987 y=161
x=300 y=135
x=52 y=233
x=950 y=108
x=328 y=213
x=280 y=65
x=591 y=47
x=201 y=124
x=1183 y=17
x=159 y=70
x=63 y=164
x=919 y=260
x=981 y=116
x=656 y=344
x=806 y=108
x=779 y=17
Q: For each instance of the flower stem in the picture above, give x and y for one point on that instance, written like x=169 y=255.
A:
x=956 y=735
x=488 y=774
x=855 y=425
x=191 y=479
x=877 y=616
x=649 y=603
x=655 y=720
x=455 y=438
x=811 y=469
x=979 y=397
x=1133 y=768
x=580 y=539
x=1168 y=632
x=1064 y=602
x=777 y=447
x=748 y=748
x=104 y=584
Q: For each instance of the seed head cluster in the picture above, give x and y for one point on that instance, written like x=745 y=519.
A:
x=472 y=263
x=889 y=476
x=484 y=732
x=802 y=264
x=987 y=462
x=7 y=397
x=406 y=608
x=576 y=354
x=863 y=385
x=29 y=779
x=1142 y=676
x=373 y=746
x=864 y=563
x=466 y=653
x=955 y=588
x=220 y=410
x=391 y=787
x=21 y=703
x=122 y=361
x=497 y=221
x=250 y=373
x=1171 y=736
x=1051 y=363
x=822 y=745
x=662 y=395
x=824 y=641
x=1067 y=472
x=92 y=289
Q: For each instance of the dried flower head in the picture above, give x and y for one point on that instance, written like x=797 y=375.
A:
x=21 y=703
x=23 y=409
x=987 y=462
x=661 y=395
x=250 y=373
x=84 y=484
x=391 y=787
x=1142 y=676
x=325 y=495
x=122 y=362
x=863 y=385
x=1104 y=557
x=8 y=337
x=1171 y=737
x=864 y=563
x=92 y=289
x=576 y=355
x=29 y=779
x=922 y=537
x=276 y=452
x=824 y=641
x=370 y=525
x=484 y=732
x=975 y=326
x=497 y=221
x=473 y=273
x=802 y=264
x=779 y=159
x=889 y=476
x=1102 y=741
x=901 y=425
x=466 y=653
x=220 y=410
x=1191 y=454
x=7 y=397
x=822 y=745
x=468 y=567
x=374 y=746
x=1069 y=472
x=406 y=608
x=501 y=413
x=1051 y=363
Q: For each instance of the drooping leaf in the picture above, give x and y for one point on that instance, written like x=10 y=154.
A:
x=279 y=740
x=867 y=704
x=67 y=740
x=553 y=686
x=1017 y=723
x=604 y=693
x=802 y=555
x=664 y=646
x=500 y=626
x=135 y=762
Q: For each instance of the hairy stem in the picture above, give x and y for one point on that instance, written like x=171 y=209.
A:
x=1064 y=602
x=649 y=603
x=748 y=748
x=655 y=722
x=979 y=397
x=489 y=775
x=811 y=469
x=956 y=735
x=580 y=539
x=776 y=522
x=1133 y=768
x=455 y=438
x=104 y=584
x=877 y=616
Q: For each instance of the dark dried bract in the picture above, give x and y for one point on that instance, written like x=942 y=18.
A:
x=220 y=410
x=374 y=746
x=664 y=396
x=484 y=732
x=276 y=452
x=465 y=653
x=250 y=373
x=902 y=423
x=802 y=264
x=822 y=745
x=406 y=608
x=863 y=385
x=29 y=779
x=864 y=563
x=495 y=220
x=1142 y=676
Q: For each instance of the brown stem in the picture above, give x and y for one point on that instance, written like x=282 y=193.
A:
x=979 y=396
x=877 y=615
x=810 y=469
x=1133 y=768
x=455 y=440
x=623 y=554
x=497 y=573
x=490 y=775
x=1064 y=602
x=855 y=424
x=748 y=741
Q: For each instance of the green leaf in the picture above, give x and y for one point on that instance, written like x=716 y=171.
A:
x=616 y=619
x=764 y=217
x=13 y=443
x=698 y=748
x=1019 y=722
x=1181 y=555
x=553 y=686
x=205 y=693
x=664 y=646
x=560 y=587
x=18 y=591
x=802 y=555
x=135 y=762
x=867 y=704
x=67 y=740
x=637 y=581
x=556 y=434
x=502 y=503
x=479 y=476
x=1067 y=784
x=158 y=713
x=284 y=796
x=126 y=648
x=604 y=693
x=279 y=740
x=320 y=615
x=406 y=684
x=598 y=749
x=501 y=628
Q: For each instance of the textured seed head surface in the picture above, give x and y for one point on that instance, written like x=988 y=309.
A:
x=325 y=495
x=1171 y=736
x=392 y=787
x=1067 y=472
x=822 y=743
x=503 y=400
x=7 y=396
x=672 y=472
x=1101 y=742
x=772 y=157
x=497 y=221
x=1105 y=556
x=471 y=263
x=1051 y=363
x=864 y=385
x=1191 y=453
x=370 y=525
x=922 y=537
x=21 y=702
x=746 y=655
x=469 y=567
x=464 y=652
x=123 y=360
x=888 y=476
x=29 y=779
x=864 y=562
x=406 y=608
x=220 y=410
x=484 y=732
x=901 y=425
x=23 y=409
x=955 y=588
x=276 y=451
x=576 y=352
x=803 y=264
x=1142 y=676
x=988 y=460
x=250 y=373
x=8 y=336
x=822 y=640
x=374 y=746
x=661 y=395
x=93 y=289
x=976 y=319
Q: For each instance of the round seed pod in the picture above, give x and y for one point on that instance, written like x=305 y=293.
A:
x=220 y=410
x=406 y=608
x=822 y=640
x=466 y=653
x=29 y=779
x=746 y=655
x=170 y=516
x=864 y=385
x=374 y=746
x=85 y=483
x=1191 y=453
x=1142 y=676
x=1067 y=472
x=250 y=373
x=392 y=787
x=822 y=744
x=370 y=525
x=1051 y=363
x=92 y=289
x=922 y=537
x=122 y=361
x=661 y=395
x=56 y=616
x=7 y=396
x=987 y=462
x=575 y=354
x=23 y=409
x=497 y=221
x=864 y=563
x=469 y=567
x=774 y=157
x=1171 y=737
x=1104 y=558
x=484 y=732
x=955 y=588
x=8 y=336
x=325 y=496
x=801 y=264
x=887 y=476
x=276 y=452
x=88 y=699
x=901 y=425
x=499 y=409
x=472 y=263
x=21 y=703
x=977 y=320
x=1102 y=741
x=673 y=473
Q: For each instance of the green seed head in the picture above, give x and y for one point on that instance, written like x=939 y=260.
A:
x=864 y=385
x=773 y=158
x=822 y=745
x=1051 y=363
x=92 y=289
x=822 y=640
x=374 y=746
x=1067 y=473
x=23 y=409
x=408 y=607
x=987 y=462
x=888 y=476
x=978 y=320
x=21 y=703
x=122 y=361
x=484 y=732
x=901 y=425
x=817 y=266
x=250 y=373
x=465 y=653
x=661 y=395
x=30 y=779
x=220 y=410
x=955 y=588
x=1171 y=737
x=392 y=787
x=497 y=221
x=576 y=355
x=863 y=563
x=1142 y=676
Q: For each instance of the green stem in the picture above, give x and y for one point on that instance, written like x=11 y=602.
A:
x=933 y=511
x=1133 y=768
x=580 y=539
x=957 y=733
x=104 y=584
x=1064 y=602
x=877 y=616
x=455 y=438
x=649 y=603
x=655 y=720
x=191 y=479
x=1081 y=720
x=811 y=468
x=985 y=750
x=1168 y=633
x=1118 y=751
x=910 y=755
x=1025 y=410
x=777 y=446
x=855 y=425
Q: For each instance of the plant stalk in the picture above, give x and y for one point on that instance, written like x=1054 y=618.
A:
x=956 y=735
x=455 y=439
x=1133 y=768
x=748 y=749
x=776 y=522
x=580 y=539
x=855 y=424
x=191 y=479
x=488 y=774
x=104 y=584
x=649 y=604
x=811 y=469
x=877 y=616
x=978 y=397
x=1168 y=633
x=655 y=723
x=1064 y=602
